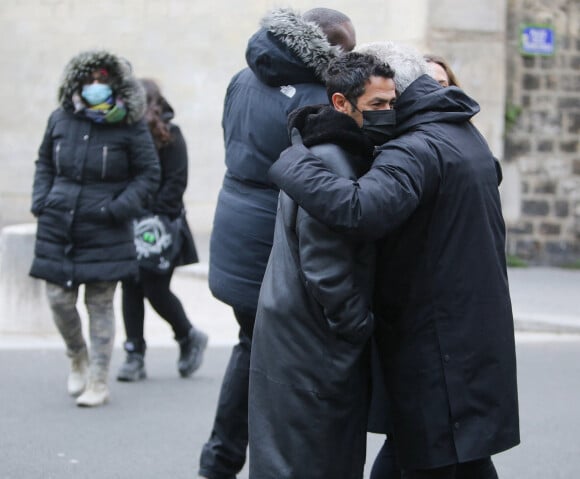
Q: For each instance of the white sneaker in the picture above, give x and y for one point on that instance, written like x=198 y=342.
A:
x=77 y=378
x=96 y=394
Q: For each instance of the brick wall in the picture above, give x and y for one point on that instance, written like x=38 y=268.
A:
x=543 y=133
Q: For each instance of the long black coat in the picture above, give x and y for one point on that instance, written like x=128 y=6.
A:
x=91 y=180
x=309 y=368
x=446 y=325
x=283 y=60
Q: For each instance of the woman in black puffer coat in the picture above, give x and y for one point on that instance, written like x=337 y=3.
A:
x=96 y=168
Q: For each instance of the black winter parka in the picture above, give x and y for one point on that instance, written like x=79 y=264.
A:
x=168 y=199
x=91 y=180
x=285 y=60
x=309 y=368
x=442 y=300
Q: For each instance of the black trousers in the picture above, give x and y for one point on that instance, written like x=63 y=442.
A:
x=155 y=288
x=480 y=469
x=224 y=454
x=386 y=465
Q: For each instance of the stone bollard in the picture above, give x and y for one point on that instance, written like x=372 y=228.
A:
x=23 y=305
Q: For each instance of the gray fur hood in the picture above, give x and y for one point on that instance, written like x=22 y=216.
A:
x=123 y=83
x=289 y=49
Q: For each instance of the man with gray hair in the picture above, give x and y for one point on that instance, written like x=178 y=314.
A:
x=442 y=304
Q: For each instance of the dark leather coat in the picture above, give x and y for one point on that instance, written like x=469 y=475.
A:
x=309 y=369
x=446 y=326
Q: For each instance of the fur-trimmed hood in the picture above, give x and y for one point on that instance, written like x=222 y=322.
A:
x=123 y=83
x=319 y=124
x=288 y=49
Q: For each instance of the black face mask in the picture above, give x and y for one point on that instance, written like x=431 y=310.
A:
x=379 y=125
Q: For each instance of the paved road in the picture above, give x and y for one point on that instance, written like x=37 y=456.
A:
x=155 y=429
x=545 y=298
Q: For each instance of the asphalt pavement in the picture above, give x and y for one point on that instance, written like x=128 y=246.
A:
x=155 y=428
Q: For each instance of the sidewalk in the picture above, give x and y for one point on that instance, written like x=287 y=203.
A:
x=544 y=300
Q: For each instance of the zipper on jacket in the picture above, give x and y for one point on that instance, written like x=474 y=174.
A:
x=57 y=158
x=104 y=171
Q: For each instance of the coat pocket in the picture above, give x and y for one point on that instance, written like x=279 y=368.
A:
x=95 y=211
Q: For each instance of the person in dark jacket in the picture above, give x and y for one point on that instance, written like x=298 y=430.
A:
x=379 y=422
x=96 y=168
x=442 y=303
x=286 y=60
x=310 y=361
x=164 y=241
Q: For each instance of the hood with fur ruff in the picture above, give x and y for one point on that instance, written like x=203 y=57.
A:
x=288 y=49
x=122 y=81
x=319 y=124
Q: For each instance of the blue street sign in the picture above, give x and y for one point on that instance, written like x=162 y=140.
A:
x=537 y=40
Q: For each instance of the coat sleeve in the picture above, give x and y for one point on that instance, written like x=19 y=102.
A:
x=145 y=170
x=369 y=207
x=44 y=172
x=173 y=160
x=327 y=260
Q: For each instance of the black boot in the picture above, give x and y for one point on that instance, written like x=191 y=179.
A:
x=191 y=350
x=133 y=369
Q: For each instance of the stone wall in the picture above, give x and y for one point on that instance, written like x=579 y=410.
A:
x=542 y=135
x=470 y=35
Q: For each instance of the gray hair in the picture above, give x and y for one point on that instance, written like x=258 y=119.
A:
x=405 y=60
